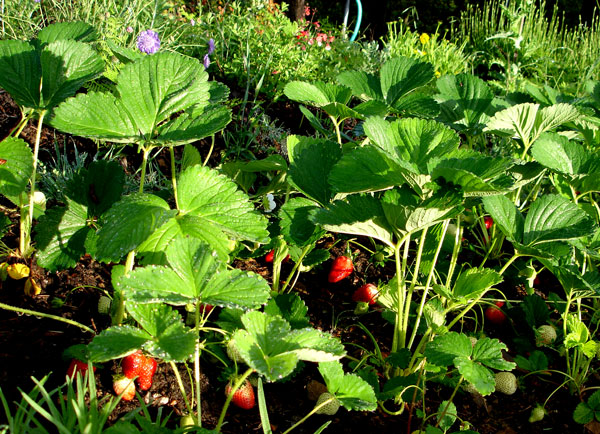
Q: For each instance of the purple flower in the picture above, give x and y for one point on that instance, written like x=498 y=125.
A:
x=206 y=61
x=193 y=22
x=148 y=42
x=37 y=1
x=211 y=46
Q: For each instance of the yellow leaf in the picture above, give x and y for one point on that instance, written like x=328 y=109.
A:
x=18 y=271
x=32 y=288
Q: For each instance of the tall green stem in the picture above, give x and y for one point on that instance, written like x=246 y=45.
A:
x=146 y=151
x=25 y=227
x=197 y=365
x=235 y=387
x=174 y=176
x=46 y=315
x=181 y=388
x=411 y=289
x=309 y=414
x=427 y=283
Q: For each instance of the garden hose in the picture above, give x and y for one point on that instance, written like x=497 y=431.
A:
x=358 y=18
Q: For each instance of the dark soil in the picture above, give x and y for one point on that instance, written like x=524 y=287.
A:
x=32 y=347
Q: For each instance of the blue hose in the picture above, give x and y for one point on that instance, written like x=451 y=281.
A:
x=358 y=18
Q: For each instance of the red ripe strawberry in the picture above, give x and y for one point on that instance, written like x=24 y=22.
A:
x=206 y=308
x=495 y=315
x=243 y=397
x=132 y=364
x=269 y=257
x=78 y=366
x=125 y=386
x=340 y=269
x=488 y=221
x=138 y=365
x=367 y=293
x=146 y=373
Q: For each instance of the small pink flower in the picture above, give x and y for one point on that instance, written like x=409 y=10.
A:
x=275 y=72
x=317 y=24
x=331 y=38
x=328 y=47
x=306 y=10
x=311 y=41
x=129 y=29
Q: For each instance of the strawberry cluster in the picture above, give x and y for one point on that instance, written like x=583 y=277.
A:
x=138 y=366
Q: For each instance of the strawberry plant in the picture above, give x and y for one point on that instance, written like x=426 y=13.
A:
x=39 y=75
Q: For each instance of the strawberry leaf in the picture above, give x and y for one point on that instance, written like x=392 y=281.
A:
x=17 y=167
x=351 y=391
x=194 y=275
x=268 y=345
x=171 y=340
x=116 y=342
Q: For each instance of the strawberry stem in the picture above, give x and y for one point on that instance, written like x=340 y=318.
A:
x=234 y=389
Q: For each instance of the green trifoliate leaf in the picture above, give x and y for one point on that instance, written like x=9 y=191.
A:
x=96 y=115
x=478 y=375
x=76 y=31
x=406 y=213
x=414 y=141
x=171 y=340
x=311 y=161
x=317 y=94
x=270 y=346
x=474 y=281
x=506 y=215
x=190 y=127
x=465 y=102
x=66 y=66
x=149 y=92
x=350 y=390
x=366 y=169
x=478 y=175
x=356 y=215
x=555 y=218
x=488 y=352
x=128 y=223
x=528 y=121
x=194 y=275
x=295 y=225
x=402 y=75
x=445 y=348
x=448 y=409
x=559 y=153
x=153 y=249
x=60 y=236
x=20 y=72
x=16 y=166
x=40 y=79
x=116 y=342
x=156 y=87
x=364 y=86
x=215 y=199
x=290 y=307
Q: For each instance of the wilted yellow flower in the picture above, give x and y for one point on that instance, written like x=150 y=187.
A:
x=424 y=38
x=18 y=271
x=32 y=288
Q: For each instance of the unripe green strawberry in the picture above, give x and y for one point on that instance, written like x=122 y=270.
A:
x=537 y=414
x=104 y=305
x=331 y=407
x=233 y=352
x=506 y=383
x=545 y=335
